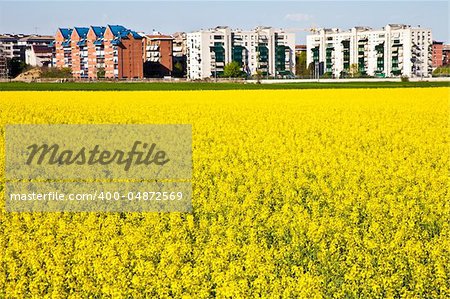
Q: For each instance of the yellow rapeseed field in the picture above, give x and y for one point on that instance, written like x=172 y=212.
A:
x=296 y=194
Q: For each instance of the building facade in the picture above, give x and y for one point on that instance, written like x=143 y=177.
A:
x=112 y=52
x=3 y=65
x=158 y=60
x=63 y=49
x=437 y=57
x=395 y=50
x=39 y=56
x=264 y=49
x=179 y=53
x=15 y=46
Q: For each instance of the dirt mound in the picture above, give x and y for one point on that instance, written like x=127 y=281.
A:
x=30 y=75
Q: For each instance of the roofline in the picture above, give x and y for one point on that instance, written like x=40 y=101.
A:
x=156 y=37
x=368 y=28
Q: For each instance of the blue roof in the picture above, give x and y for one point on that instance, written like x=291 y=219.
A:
x=66 y=32
x=121 y=32
x=82 y=31
x=136 y=35
x=117 y=29
x=98 y=30
x=115 y=42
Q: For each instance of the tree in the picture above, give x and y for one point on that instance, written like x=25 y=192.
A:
x=354 y=70
x=16 y=67
x=301 y=68
x=258 y=76
x=101 y=72
x=232 y=70
x=311 y=70
x=327 y=75
x=178 y=69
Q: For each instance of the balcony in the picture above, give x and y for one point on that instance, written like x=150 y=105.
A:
x=177 y=49
x=153 y=59
x=152 y=48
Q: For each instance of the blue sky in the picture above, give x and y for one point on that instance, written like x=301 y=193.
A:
x=172 y=16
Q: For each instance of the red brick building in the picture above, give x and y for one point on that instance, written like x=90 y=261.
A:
x=96 y=52
x=123 y=53
x=79 y=53
x=63 y=52
x=158 y=55
x=113 y=52
x=437 y=57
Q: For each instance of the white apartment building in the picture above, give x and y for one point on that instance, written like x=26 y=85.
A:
x=39 y=55
x=16 y=45
x=395 y=50
x=264 y=49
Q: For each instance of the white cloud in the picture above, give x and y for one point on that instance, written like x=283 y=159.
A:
x=298 y=17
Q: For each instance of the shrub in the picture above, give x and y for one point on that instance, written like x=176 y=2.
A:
x=55 y=72
x=232 y=70
x=443 y=71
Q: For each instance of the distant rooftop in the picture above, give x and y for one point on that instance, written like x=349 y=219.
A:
x=25 y=37
x=158 y=36
x=367 y=28
x=41 y=49
x=218 y=28
x=37 y=37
